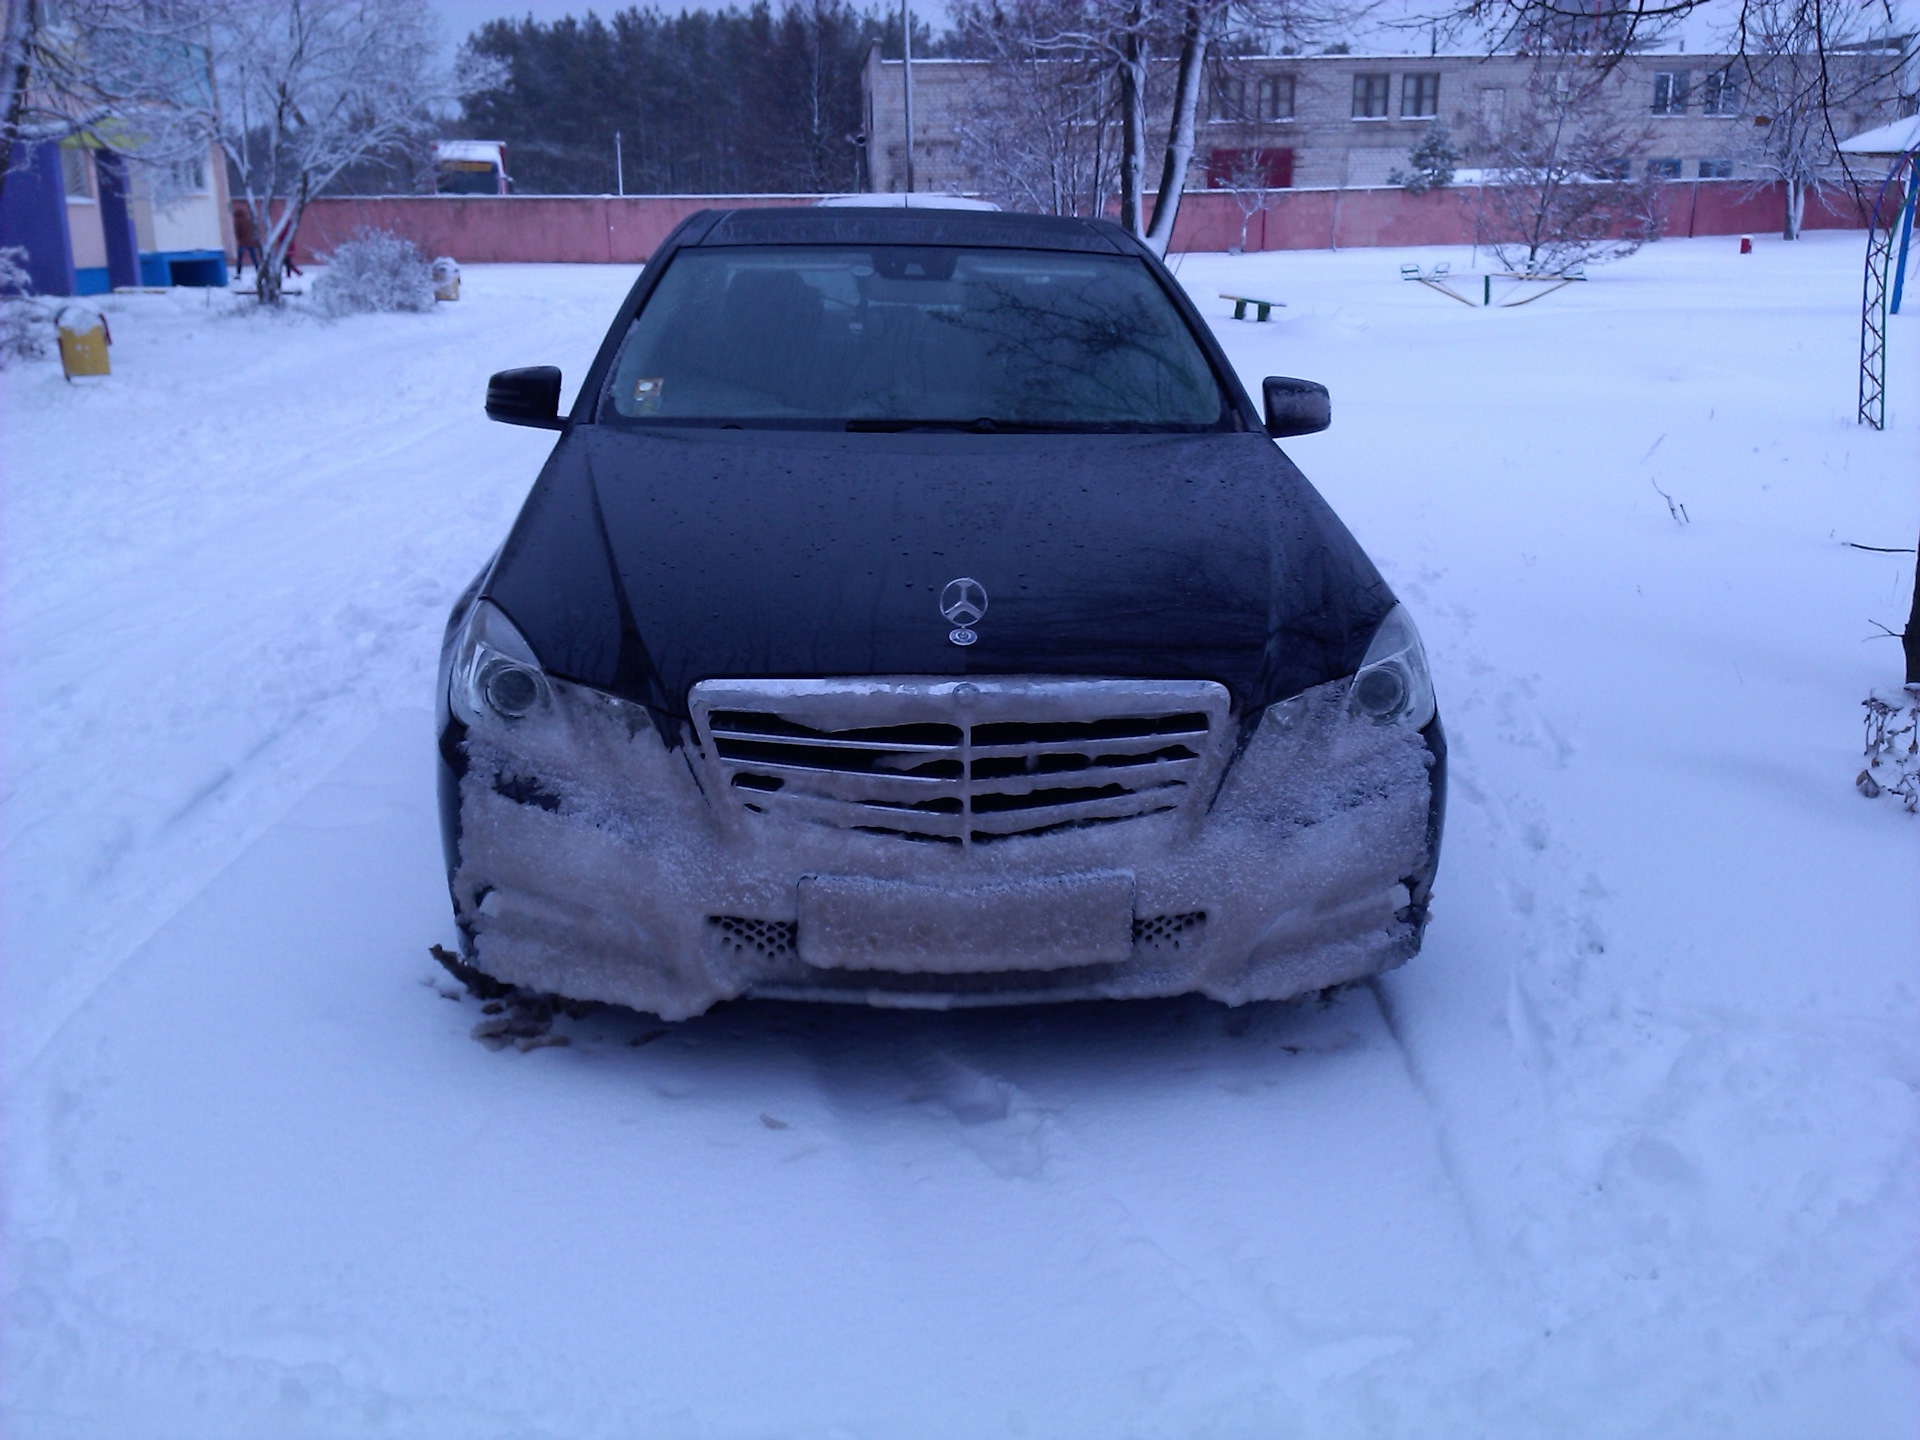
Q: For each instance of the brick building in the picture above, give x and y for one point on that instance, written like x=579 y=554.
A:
x=1348 y=121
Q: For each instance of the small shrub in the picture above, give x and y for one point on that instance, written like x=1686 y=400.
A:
x=1433 y=160
x=26 y=329
x=1892 y=751
x=375 y=270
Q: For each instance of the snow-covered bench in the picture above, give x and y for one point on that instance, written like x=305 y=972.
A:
x=1261 y=307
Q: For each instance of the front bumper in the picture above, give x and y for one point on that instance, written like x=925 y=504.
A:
x=590 y=858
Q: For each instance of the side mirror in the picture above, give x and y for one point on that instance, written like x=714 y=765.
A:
x=526 y=397
x=1296 y=407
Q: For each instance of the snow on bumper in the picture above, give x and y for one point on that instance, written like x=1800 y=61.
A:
x=592 y=863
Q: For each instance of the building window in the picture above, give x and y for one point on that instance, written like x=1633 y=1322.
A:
x=1493 y=112
x=190 y=176
x=1670 y=92
x=1664 y=169
x=1419 y=97
x=1276 y=97
x=1228 y=98
x=1249 y=169
x=1716 y=169
x=76 y=175
x=1370 y=97
x=1720 y=94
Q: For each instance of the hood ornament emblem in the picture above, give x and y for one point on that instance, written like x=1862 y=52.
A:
x=963 y=602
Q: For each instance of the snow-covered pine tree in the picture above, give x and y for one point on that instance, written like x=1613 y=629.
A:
x=1433 y=162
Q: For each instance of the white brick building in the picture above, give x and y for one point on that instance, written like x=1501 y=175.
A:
x=1339 y=121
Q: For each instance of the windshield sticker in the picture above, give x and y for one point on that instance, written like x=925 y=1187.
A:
x=646 y=394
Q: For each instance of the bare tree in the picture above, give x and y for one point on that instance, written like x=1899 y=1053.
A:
x=1145 y=43
x=128 y=76
x=1201 y=22
x=1040 y=129
x=1801 y=63
x=1199 y=28
x=311 y=87
x=1104 y=49
x=1247 y=176
x=1565 y=182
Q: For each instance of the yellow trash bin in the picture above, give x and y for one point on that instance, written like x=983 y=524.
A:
x=83 y=341
x=446 y=279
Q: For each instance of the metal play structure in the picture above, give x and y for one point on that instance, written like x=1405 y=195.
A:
x=1442 y=279
x=1885 y=278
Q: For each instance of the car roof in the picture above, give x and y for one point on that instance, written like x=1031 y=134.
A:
x=907 y=200
x=894 y=225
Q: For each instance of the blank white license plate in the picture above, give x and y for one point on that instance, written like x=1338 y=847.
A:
x=850 y=923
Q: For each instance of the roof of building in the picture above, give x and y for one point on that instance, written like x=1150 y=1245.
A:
x=1895 y=139
x=491 y=150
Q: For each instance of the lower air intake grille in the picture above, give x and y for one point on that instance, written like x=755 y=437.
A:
x=744 y=935
x=1169 y=932
x=959 y=762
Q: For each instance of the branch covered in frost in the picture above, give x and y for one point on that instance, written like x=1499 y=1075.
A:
x=309 y=88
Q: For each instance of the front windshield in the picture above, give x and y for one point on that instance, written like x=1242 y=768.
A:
x=889 y=336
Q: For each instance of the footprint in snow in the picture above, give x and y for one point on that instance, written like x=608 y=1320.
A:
x=997 y=1120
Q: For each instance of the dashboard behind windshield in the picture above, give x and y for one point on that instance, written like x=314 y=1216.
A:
x=895 y=336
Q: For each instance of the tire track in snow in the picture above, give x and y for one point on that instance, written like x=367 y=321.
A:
x=202 y=623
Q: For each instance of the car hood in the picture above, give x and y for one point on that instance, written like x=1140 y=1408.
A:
x=646 y=561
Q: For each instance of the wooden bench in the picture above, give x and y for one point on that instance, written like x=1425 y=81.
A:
x=1261 y=307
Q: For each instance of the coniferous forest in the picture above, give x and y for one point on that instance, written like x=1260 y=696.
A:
x=706 y=101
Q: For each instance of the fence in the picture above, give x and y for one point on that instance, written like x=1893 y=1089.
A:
x=483 y=229
x=1337 y=219
x=607 y=229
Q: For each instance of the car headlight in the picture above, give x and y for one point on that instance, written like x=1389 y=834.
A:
x=495 y=674
x=1393 y=686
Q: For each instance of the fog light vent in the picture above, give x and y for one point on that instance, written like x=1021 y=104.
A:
x=744 y=935
x=1169 y=932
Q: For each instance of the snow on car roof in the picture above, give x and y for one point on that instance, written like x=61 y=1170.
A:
x=907 y=200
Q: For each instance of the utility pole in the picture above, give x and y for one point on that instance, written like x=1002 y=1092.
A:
x=906 y=72
x=619 y=167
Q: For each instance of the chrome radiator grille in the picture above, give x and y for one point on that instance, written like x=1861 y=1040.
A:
x=963 y=762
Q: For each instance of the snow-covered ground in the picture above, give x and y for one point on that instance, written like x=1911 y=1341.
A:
x=1629 y=1150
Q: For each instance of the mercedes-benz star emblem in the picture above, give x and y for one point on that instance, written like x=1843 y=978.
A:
x=963 y=602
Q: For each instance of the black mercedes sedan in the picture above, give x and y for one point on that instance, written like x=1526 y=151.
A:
x=916 y=610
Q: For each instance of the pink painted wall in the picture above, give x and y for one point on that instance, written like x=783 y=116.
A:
x=480 y=229
x=604 y=229
x=1323 y=219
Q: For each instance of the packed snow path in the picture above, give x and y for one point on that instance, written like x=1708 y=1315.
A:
x=1629 y=1150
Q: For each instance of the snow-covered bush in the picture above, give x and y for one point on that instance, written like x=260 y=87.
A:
x=1892 y=750
x=26 y=331
x=375 y=270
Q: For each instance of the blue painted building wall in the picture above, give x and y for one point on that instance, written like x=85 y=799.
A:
x=116 y=220
x=33 y=215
